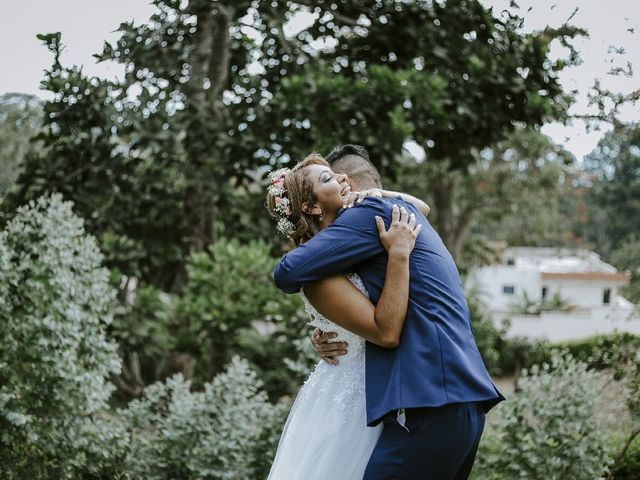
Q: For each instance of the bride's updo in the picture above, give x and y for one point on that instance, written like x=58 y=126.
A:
x=288 y=190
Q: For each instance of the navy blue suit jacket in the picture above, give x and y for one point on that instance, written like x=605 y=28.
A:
x=437 y=361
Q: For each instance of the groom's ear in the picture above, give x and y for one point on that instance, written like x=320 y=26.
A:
x=311 y=209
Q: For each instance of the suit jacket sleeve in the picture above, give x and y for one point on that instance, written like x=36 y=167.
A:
x=352 y=238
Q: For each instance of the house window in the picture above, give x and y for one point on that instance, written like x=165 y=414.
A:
x=544 y=293
x=508 y=289
x=606 y=296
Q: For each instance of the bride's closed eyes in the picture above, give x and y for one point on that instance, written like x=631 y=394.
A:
x=326 y=177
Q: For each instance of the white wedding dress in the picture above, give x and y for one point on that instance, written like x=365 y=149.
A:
x=326 y=435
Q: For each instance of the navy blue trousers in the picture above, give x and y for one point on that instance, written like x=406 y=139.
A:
x=433 y=444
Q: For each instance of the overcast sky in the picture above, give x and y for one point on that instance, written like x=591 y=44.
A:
x=86 y=24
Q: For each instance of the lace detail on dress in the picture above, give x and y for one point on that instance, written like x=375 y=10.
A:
x=349 y=373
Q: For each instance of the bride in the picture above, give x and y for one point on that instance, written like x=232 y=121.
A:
x=326 y=434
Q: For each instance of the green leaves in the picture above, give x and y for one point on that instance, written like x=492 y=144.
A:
x=548 y=428
x=230 y=288
x=227 y=430
x=55 y=360
x=20 y=118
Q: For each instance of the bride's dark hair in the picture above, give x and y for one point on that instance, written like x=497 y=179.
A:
x=299 y=190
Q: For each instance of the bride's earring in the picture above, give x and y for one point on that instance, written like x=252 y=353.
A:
x=321 y=217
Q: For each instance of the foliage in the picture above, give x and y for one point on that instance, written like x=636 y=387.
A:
x=216 y=93
x=529 y=195
x=515 y=192
x=229 y=287
x=547 y=429
x=142 y=327
x=615 y=169
x=55 y=305
x=555 y=303
x=626 y=256
x=526 y=305
x=19 y=119
x=603 y=351
x=222 y=432
x=629 y=467
x=489 y=338
x=599 y=352
x=230 y=293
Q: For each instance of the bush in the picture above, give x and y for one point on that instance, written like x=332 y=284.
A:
x=229 y=287
x=229 y=297
x=603 y=351
x=489 y=338
x=502 y=355
x=629 y=467
x=547 y=429
x=55 y=361
x=227 y=431
x=141 y=327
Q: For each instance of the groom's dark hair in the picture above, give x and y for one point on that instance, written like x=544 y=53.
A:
x=353 y=160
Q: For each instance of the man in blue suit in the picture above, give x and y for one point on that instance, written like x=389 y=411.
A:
x=433 y=390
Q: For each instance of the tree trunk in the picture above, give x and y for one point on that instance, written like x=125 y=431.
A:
x=463 y=225
x=442 y=188
x=208 y=117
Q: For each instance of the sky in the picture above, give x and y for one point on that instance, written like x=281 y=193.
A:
x=86 y=24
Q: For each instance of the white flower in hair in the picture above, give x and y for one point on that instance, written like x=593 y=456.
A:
x=282 y=203
x=285 y=227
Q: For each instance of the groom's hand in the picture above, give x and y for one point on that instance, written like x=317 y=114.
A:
x=328 y=350
x=358 y=197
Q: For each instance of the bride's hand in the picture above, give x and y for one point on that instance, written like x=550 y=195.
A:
x=357 y=197
x=401 y=236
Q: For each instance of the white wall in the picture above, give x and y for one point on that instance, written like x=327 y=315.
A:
x=489 y=281
x=583 y=293
x=560 y=326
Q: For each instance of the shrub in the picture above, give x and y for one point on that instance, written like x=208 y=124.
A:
x=603 y=351
x=547 y=429
x=629 y=467
x=55 y=304
x=227 y=431
x=232 y=305
x=141 y=327
x=489 y=338
x=229 y=287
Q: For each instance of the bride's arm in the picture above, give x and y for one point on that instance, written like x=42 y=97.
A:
x=340 y=301
x=419 y=204
x=357 y=197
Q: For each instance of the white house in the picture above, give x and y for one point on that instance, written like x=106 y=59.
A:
x=557 y=294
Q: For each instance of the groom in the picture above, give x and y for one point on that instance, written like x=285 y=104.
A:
x=433 y=390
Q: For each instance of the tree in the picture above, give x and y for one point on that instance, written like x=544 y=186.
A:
x=627 y=257
x=215 y=90
x=466 y=79
x=517 y=192
x=615 y=169
x=149 y=161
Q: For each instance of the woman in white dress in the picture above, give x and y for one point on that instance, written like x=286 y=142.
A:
x=326 y=435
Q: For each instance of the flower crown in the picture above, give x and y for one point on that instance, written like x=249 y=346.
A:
x=282 y=203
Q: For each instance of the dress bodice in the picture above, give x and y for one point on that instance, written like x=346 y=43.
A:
x=356 y=344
